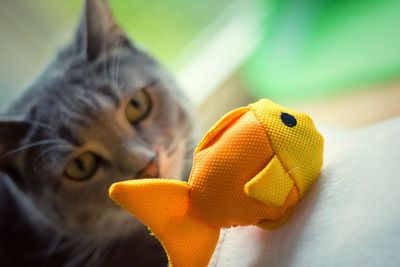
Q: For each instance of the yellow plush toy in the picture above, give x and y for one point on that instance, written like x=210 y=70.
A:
x=251 y=168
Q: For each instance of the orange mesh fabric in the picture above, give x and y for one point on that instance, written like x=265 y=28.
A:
x=250 y=168
x=162 y=205
x=222 y=166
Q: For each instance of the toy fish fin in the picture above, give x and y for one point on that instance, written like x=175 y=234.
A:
x=162 y=205
x=189 y=242
x=272 y=185
x=221 y=125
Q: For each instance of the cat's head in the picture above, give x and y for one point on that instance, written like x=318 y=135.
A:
x=102 y=111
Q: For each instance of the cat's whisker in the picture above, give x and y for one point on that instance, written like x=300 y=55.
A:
x=94 y=78
x=68 y=244
x=76 y=260
x=53 y=245
x=41 y=155
x=100 y=251
x=95 y=257
x=82 y=251
x=118 y=63
x=108 y=243
x=41 y=124
x=105 y=53
x=30 y=145
x=113 y=66
x=47 y=252
x=31 y=122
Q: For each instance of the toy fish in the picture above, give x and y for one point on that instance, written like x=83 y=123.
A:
x=251 y=168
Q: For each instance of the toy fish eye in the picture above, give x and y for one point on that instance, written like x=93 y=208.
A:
x=288 y=120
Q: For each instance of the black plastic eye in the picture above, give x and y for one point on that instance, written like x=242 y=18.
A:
x=288 y=119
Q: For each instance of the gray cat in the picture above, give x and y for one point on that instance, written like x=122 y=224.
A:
x=102 y=111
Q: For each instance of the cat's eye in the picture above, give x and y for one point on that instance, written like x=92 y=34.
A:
x=138 y=107
x=82 y=168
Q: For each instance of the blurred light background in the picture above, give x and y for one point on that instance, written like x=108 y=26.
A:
x=338 y=60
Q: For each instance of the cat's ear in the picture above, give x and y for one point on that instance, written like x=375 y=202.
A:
x=13 y=130
x=97 y=30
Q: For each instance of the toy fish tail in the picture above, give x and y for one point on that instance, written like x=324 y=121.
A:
x=162 y=206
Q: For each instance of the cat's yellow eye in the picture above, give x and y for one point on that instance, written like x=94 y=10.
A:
x=82 y=168
x=138 y=107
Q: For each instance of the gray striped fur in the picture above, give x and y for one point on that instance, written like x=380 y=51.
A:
x=77 y=105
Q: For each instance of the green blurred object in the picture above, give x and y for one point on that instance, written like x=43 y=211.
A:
x=314 y=48
x=166 y=27
x=163 y=27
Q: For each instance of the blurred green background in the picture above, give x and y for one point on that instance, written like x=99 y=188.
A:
x=287 y=50
x=319 y=47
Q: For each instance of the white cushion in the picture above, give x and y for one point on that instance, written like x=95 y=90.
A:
x=350 y=217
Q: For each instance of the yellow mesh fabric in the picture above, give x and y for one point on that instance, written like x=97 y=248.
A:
x=272 y=185
x=299 y=148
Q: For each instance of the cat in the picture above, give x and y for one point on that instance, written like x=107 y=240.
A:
x=102 y=111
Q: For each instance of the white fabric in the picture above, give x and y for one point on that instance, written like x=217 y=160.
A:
x=351 y=216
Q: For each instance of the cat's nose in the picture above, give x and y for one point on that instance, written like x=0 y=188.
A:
x=135 y=159
x=151 y=170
